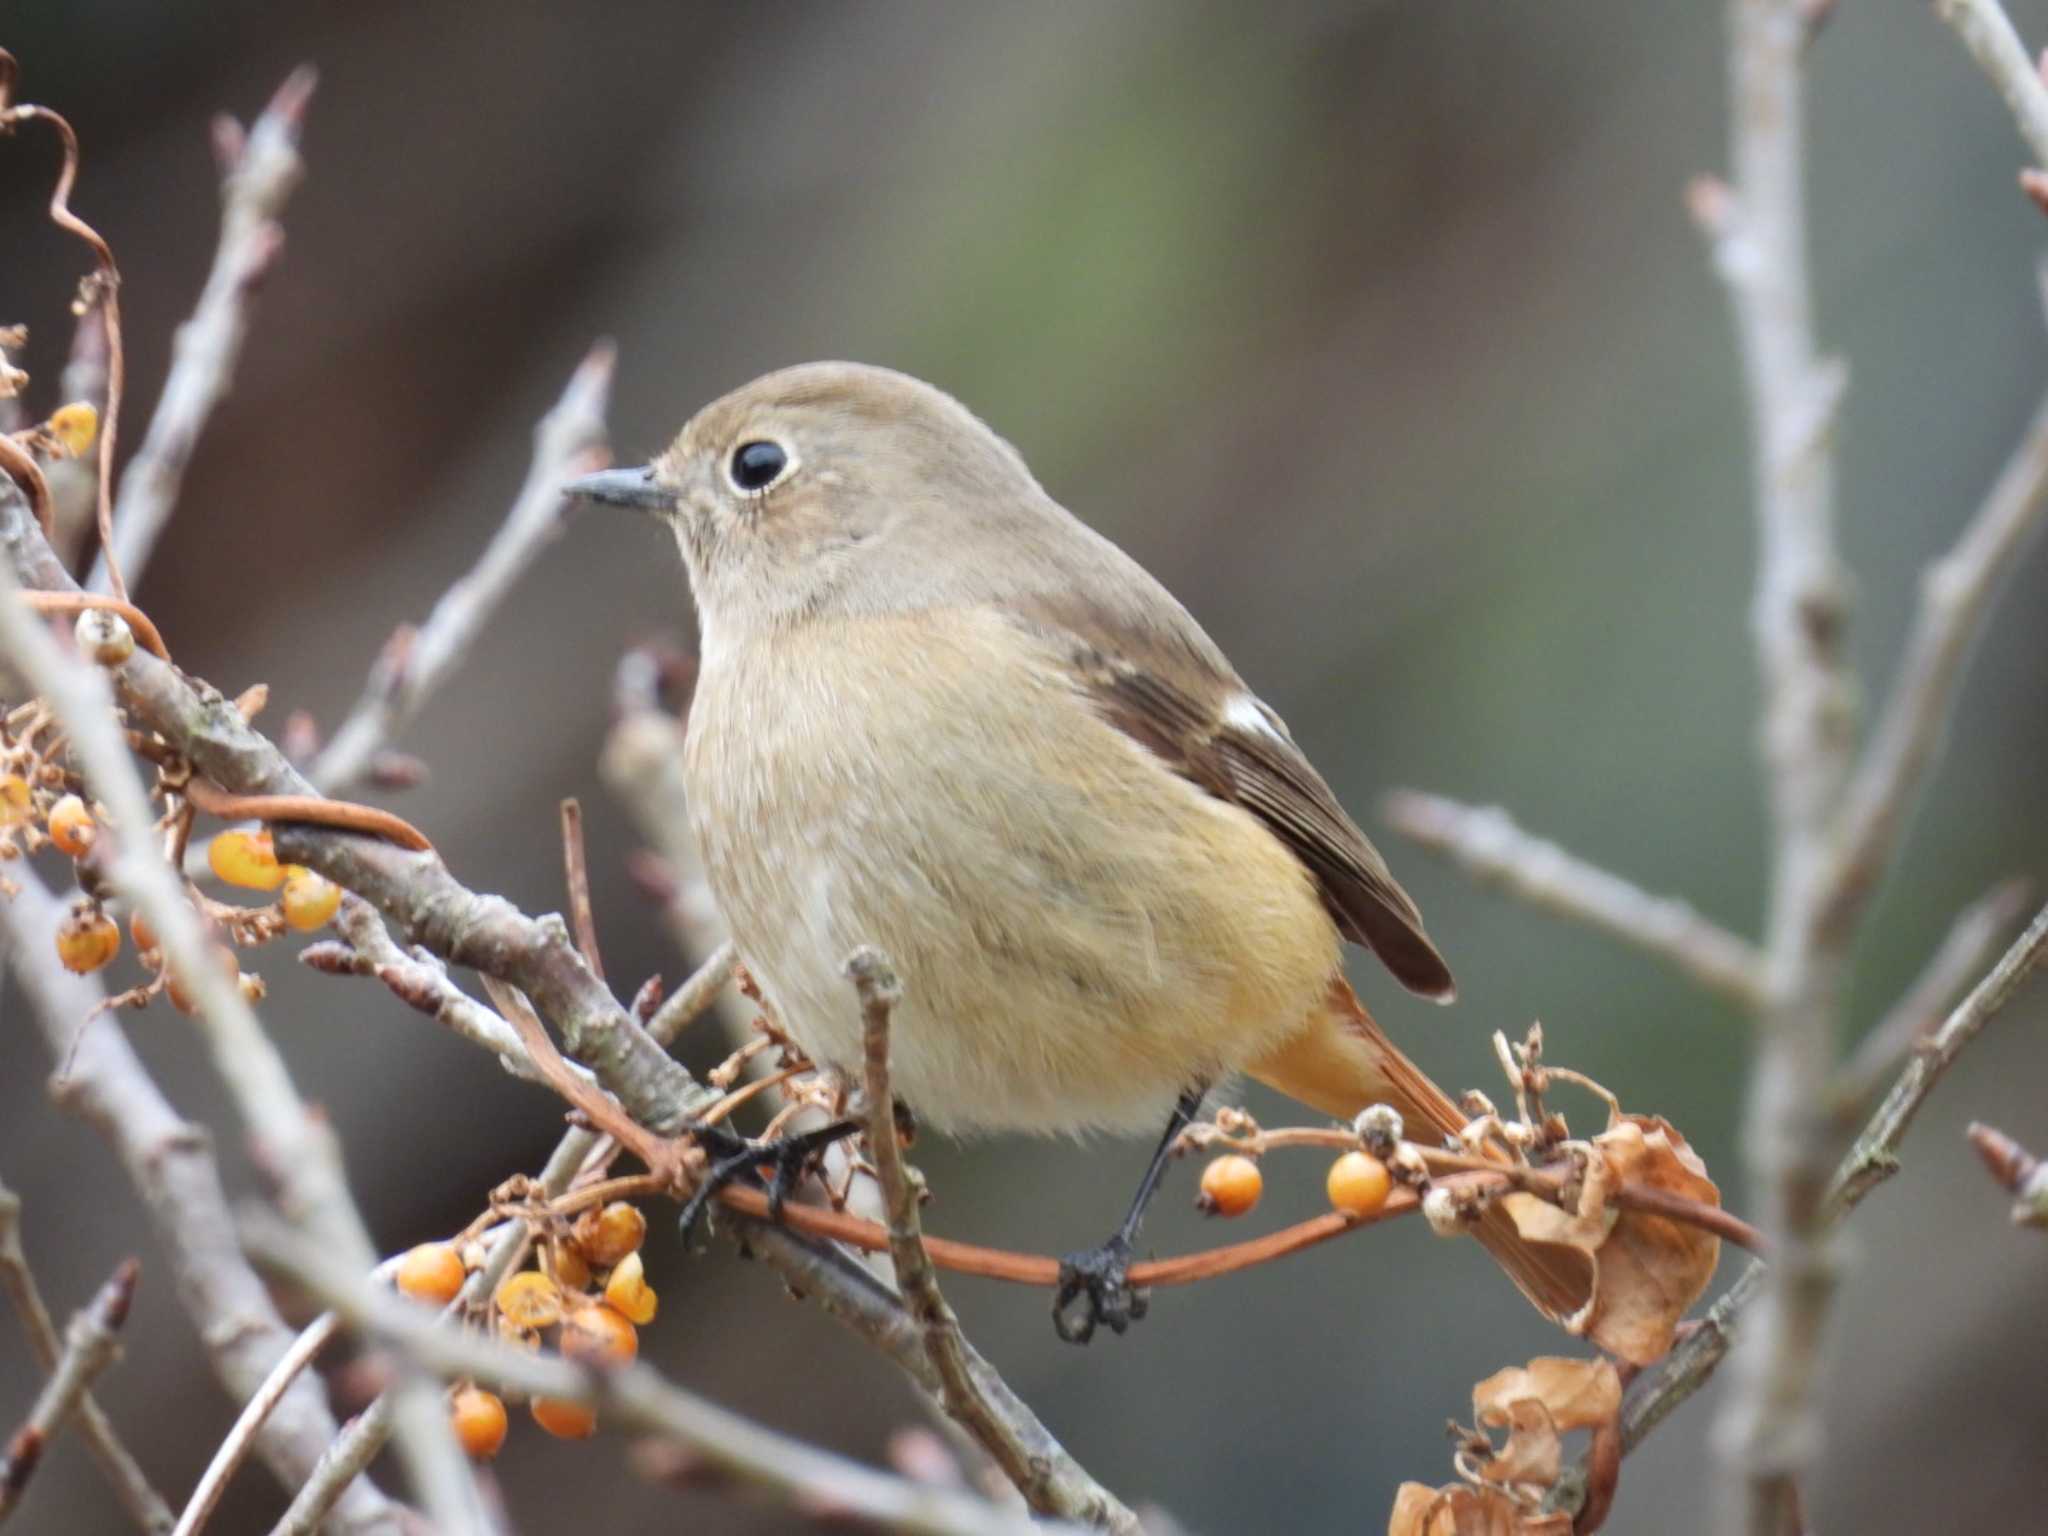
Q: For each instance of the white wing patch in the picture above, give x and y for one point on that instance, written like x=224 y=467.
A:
x=1248 y=714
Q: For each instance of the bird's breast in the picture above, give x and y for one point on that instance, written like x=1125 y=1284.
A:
x=1081 y=933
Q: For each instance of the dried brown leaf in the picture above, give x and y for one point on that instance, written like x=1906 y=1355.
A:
x=1647 y=1269
x=1456 y=1510
x=1533 y=1453
x=1579 y=1394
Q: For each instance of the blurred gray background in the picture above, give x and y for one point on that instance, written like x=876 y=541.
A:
x=1378 y=332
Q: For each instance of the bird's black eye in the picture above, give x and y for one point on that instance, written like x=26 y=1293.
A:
x=758 y=465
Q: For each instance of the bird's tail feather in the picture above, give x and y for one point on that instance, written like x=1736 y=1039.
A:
x=1343 y=1062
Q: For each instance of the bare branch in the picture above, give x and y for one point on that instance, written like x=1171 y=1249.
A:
x=636 y=1396
x=1971 y=942
x=1485 y=841
x=1988 y=33
x=1868 y=1164
x=1769 y=1423
x=171 y=1165
x=1875 y=1155
x=259 y=170
x=1052 y=1482
x=297 y=1144
x=230 y=1454
x=90 y=1343
x=367 y=1434
x=686 y=1004
x=1956 y=594
x=423 y=984
x=569 y=441
x=131 y=1485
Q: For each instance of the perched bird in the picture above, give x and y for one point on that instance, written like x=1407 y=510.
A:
x=937 y=714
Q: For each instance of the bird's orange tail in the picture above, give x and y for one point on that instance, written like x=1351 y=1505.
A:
x=1343 y=1062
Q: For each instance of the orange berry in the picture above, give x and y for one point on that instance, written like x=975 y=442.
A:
x=563 y=1419
x=569 y=1268
x=87 y=938
x=431 y=1273
x=530 y=1300
x=479 y=1418
x=72 y=828
x=597 y=1335
x=246 y=859
x=75 y=426
x=628 y=1293
x=1230 y=1186
x=1358 y=1184
x=141 y=931
x=17 y=800
x=607 y=1236
x=309 y=901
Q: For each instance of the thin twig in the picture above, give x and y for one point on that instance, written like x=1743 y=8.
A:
x=1052 y=1482
x=637 y=1397
x=1971 y=942
x=569 y=441
x=230 y=1454
x=686 y=1004
x=259 y=169
x=90 y=1343
x=1693 y=1361
x=145 y=1506
x=576 y=874
x=170 y=1163
x=366 y=948
x=1875 y=1155
x=1486 y=842
x=1988 y=33
x=291 y=1140
x=102 y=291
x=1956 y=598
x=366 y=1435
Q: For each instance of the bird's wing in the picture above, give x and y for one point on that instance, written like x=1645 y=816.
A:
x=1165 y=685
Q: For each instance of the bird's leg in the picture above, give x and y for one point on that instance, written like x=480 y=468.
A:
x=1094 y=1284
x=732 y=1155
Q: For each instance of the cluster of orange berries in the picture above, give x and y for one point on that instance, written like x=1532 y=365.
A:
x=88 y=939
x=1358 y=1185
x=305 y=900
x=586 y=1296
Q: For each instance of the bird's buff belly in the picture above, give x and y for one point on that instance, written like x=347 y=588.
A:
x=1081 y=934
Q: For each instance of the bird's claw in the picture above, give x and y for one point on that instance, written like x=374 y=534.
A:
x=1095 y=1289
x=732 y=1155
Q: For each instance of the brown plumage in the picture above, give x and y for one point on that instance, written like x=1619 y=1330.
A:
x=938 y=714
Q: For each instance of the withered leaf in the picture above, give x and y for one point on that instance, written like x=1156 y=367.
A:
x=1647 y=1269
x=1579 y=1394
x=1456 y=1510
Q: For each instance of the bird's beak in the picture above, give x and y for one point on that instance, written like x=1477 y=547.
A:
x=624 y=488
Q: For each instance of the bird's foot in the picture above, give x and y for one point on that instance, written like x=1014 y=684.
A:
x=1095 y=1288
x=787 y=1159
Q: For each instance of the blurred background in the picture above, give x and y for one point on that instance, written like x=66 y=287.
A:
x=1378 y=332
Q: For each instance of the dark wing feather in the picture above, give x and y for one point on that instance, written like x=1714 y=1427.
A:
x=1171 y=695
